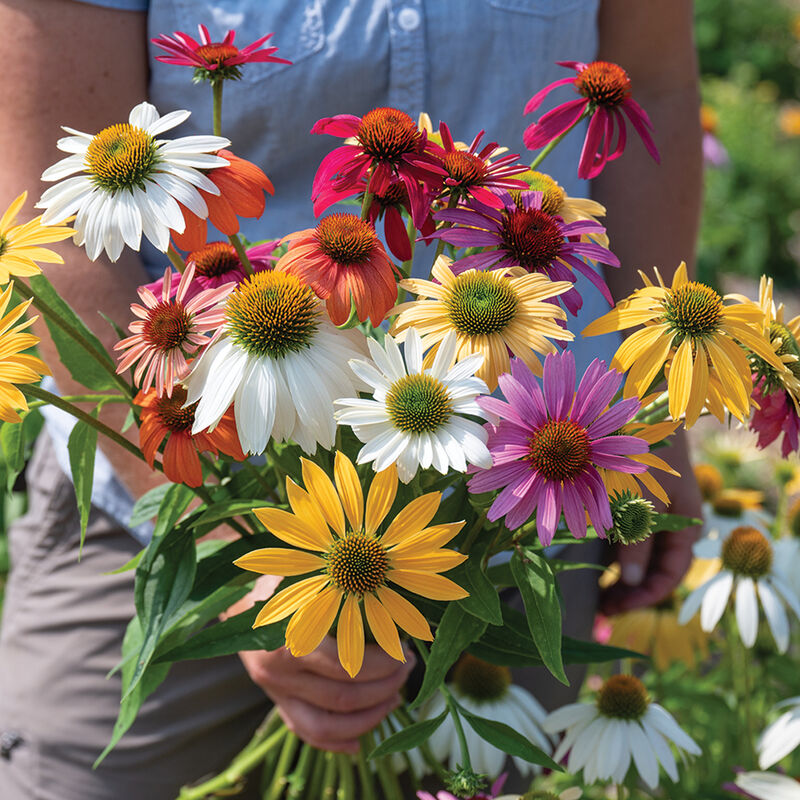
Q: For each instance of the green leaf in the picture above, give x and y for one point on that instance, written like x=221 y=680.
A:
x=537 y=585
x=146 y=507
x=507 y=740
x=576 y=651
x=483 y=601
x=229 y=508
x=12 y=441
x=228 y=637
x=82 y=446
x=130 y=564
x=409 y=738
x=81 y=366
x=674 y=522
x=455 y=632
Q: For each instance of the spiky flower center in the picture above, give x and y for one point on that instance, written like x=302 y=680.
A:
x=214 y=259
x=479 y=305
x=346 y=239
x=693 y=309
x=418 y=403
x=623 y=697
x=3 y=243
x=728 y=504
x=747 y=552
x=167 y=325
x=532 y=238
x=559 y=450
x=387 y=133
x=633 y=517
x=121 y=157
x=171 y=412
x=272 y=314
x=785 y=344
x=216 y=52
x=358 y=563
x=465 y=168
x=479 y=680
x=709 y=479
x=395 y=194
x=603 y=83
x=552 y=194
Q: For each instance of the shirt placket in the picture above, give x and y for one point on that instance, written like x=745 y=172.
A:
x=407 y=56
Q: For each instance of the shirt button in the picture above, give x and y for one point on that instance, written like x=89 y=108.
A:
x=408 y=19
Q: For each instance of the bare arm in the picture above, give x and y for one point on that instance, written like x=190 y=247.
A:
x=653 y=217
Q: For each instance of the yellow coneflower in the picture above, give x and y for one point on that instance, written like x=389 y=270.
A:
x=695 y=338
x=20 y=245
x=491 y=313
x=353 y=562
x=15 y=366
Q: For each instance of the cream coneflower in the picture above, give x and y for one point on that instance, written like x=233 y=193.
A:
x=20 y=245
x=124 y=182
x=417 y=416
x=490 y=312
x=782 y=736
x=168 y=330
x=334 y=536
x=280 y=361
x=622 y=726
x=692 y=334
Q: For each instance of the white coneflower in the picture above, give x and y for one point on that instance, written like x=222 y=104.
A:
x=130 y=182
x=280 y=361
x=782 y=737
x=415 y=418
x=486 y=690
x=623 y=726
x=769 y=785
x=748 y=574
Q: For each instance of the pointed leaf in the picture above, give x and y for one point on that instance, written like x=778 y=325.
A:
x=409 y=738
x=82 y=446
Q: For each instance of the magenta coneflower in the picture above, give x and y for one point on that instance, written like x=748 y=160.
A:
x=168 y=330
x=471 y=172
x=775 y=414
x=216 y=59
x=388 y=141
x=605 y=94
x=546 y=447
x=523 y=235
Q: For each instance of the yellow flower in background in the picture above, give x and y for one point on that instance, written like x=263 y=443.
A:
x=491 y=313
x=20 y=245
x=789 y=119
x=336 y=537
x=15 y=366
x=695 y=338
x=709 y=479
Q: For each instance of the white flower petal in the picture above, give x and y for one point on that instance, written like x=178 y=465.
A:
x=768 y=785
x=143 y=116
x=64 y=168
x=644 y=756
x=171 y=120
x=779 y=739
x=182 y=192
x=665 y=723
x=776 y=615
x=413 y=352
x=747 y=610
x=715 y=600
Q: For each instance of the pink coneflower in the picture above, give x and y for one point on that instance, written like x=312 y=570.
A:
x=546 y=447
x=214 y=60
x=389 y=142
x=605 y=94
x=522 y=234
x=775 y=414
x=471 y=172
x=168 y=330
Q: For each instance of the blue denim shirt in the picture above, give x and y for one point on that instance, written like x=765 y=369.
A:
x=471 y=63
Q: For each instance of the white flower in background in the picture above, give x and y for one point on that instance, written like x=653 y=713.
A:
x=748 y=574
x=782 y=737
x=623 y=726
x=415 y=417
x=130 y=182
x=486 y=691
x=769 y=785
x=787 y=561
x=280 y=361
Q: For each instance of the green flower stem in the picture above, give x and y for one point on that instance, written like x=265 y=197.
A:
x=216 y=106
x=299 y=778
x=738 y=659
x=247 y=760
x=256 y=473
x=316 y=776
x=364 y=772
x=176 y=259
x=280 y=780
x=366 y=202
x=386 y=775
x=473 y=532
x=347 y=784
x=241 y=252
x=100 y=356
x=411 y=232
x=436 y=766
x=550 y=146
x=329 y=779
x=84 y=398
x=657 y=411
x=452 y=203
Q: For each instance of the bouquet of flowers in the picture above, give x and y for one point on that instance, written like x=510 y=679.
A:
x=422 y=442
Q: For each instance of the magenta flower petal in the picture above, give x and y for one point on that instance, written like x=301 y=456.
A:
x=553 y=124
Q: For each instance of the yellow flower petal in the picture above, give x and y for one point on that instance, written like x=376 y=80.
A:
x=322 y=490
x=290 y=528
x=349 y=486
x=644 y=370
x=638 y=342
x=10 y=214
x=288 y=600
x=350 y=636
x=308 y=627
x=432 y=561
x=426 y=584
x=308 y=512
x=382 y=627
x=699 y=388
x=680 y=379
x=428 y=539
x=405 y=614
x=412 y=519
x=280 y=561
x=381 y=495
